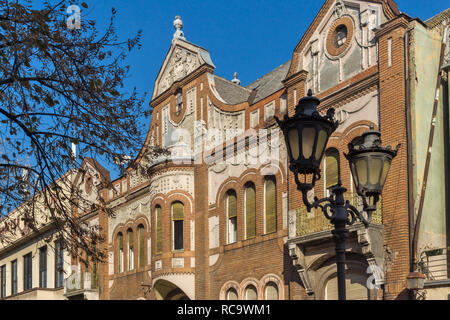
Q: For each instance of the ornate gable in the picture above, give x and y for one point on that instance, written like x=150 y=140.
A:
x=340 y=42
x=183 y=58
x=181 y=63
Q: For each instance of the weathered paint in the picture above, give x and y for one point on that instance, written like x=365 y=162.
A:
x=424 y=60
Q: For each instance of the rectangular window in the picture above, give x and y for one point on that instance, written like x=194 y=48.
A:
x=158 y=229
x=254 y=119
x=178 y=224
x=14 y=277
x=141 y=247
x=269 y=111
x=3 y=281
x=43 y=267
x=270 y=205
x=120 y=240
x=232 y=216
x=27 y=271
x=250 y=211
x=130 y=250
x=59 y=265
x=178 y=235
x=283 y=105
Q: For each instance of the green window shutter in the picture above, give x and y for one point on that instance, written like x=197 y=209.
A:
x=141 y=247
x=332 y=168
x=250 y=211
x=232 y=204
x=158 y=229
x=177 y=211
x=271 y=206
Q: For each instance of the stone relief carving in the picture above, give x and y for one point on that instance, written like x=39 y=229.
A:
x=343 y=114
x=173 y=180
x=182 y=63
x=128 y=211
x=222 y=120
x=339 y=9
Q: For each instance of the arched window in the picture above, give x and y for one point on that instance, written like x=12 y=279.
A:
x=130 y=236
x=141 y=239
x=232 y=294
x=250 y=211
x=177 y=225
x=332 y=171
x=271 y=292
x=120 y=246
x=251 y=293
x=231 y=216
x=270 y=204
x=158 y=213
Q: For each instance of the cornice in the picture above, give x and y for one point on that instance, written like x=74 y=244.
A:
x=180 y=83
x=401 y=21
x=295 y=78
x=341 y=95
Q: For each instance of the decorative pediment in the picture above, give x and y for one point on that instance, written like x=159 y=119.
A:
x=338 y=27
x=183 y=59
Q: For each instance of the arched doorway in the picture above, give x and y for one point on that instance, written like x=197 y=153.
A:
x=165 y=290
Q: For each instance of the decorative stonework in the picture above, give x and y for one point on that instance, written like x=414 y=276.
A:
x=126 y=212
x=343 y=23
x=222 y=120
x=297 y=257
x=172 y=180
x=177 y=262
x=182 y=63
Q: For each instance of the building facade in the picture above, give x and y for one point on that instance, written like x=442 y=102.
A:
x=220 y=216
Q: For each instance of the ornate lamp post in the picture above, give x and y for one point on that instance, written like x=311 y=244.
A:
x=306 y=135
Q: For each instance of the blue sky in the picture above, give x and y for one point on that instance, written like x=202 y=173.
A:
x=249 y=37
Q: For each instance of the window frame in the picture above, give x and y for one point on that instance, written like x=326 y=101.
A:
x=130 y=251
x=249 y=185
x=158 y=231
x=246 y=292
x=43 y=251
x=120 y=253
x=177 y=228
x=234 y=218
x=141 y=246
x=59 y=264
x=274 y=180
x=3 y=281
x=14 y=277
x=27 y=272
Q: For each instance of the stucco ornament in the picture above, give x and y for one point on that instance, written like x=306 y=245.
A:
x=339 y=9
x=182 y=63
x=178 y=25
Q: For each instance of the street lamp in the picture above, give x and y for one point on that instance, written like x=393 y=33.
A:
x=306 y=135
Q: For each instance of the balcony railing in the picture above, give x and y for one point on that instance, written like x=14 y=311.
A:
x=315 y=221
x=79 y=282
x=434 y=264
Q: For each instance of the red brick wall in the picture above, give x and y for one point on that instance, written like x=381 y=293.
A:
x=393 y=130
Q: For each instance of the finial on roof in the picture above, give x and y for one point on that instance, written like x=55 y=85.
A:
x=236 y=80
x=178 y=24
